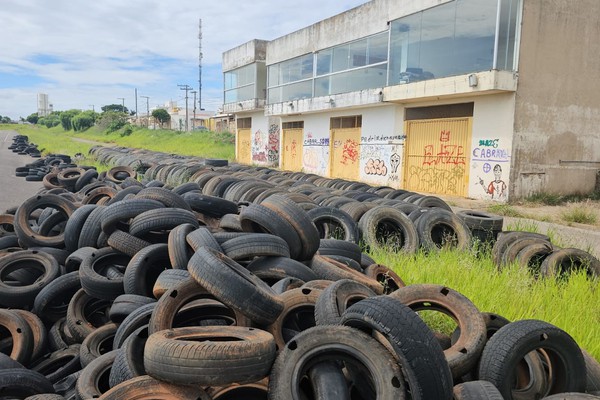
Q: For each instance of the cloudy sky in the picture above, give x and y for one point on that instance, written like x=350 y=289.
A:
x=91 y=53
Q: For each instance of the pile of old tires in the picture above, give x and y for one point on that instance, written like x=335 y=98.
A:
x=251 y=283
x=21 y=145
x=535 y=251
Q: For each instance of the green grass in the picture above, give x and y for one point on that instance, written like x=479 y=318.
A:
x=580 y=214
x=553 y=199
x=201 y=144
x=573 y=304
x=505 y=209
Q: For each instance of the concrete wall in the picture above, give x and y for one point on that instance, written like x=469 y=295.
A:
x=247 y=53
x=557 y=135
x=361 y=21
x=265 y=139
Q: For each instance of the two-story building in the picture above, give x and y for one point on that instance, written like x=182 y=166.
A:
x=477 y=98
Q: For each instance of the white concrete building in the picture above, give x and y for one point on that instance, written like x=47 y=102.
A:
x=44 y=108
x=491 y=99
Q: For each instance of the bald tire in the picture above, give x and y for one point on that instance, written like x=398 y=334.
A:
x=210 y=355
x=476 y=390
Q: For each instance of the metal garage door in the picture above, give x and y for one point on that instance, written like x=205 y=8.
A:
x=436 y=158
x=244 y=146
x=345 y=153
x=293 y=139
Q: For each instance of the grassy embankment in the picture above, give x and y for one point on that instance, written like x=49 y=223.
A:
x=571 y=303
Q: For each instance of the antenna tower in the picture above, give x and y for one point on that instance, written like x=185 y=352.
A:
x=200 y=64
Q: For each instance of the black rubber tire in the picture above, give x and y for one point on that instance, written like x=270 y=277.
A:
x=260 y=219
x=93 y=273
x=329 y=247
x=276 y=268
x=91 y=229
x=299 y=219
x=189 y=356
x=235 y=286
x=512 y=250
x=125 y=304
x=592 y=367
x=148 y=388
x=20 y=383
x=336 y=298
x=565 y=260
x=168 y=279
x=212 y=206
x=340 y=344
x=97 y=343
x=424 y=367
x=84 y=314
x=464 y=353
x=380 y=223
x=161 y=219
x=202 y=237
x=532 y=256
x=23 y=295
x=22 y=337
x=573 y=396
x=476 y=390
x=124 y=210
x=165 y=196
x=39 y=331
x=481 y=220
x=180 y=297
x=93 y=381
x=329 y=269
x=285 y=284
x=298 y=315
x=327 y=219
x=505 y=238
x=137 y=319
x=247 y=247
x=179 y=251
x=144 y=268
x=437 y=225
x=389 y=279
x=58 y=364
x=512 y=342
x=126 y=243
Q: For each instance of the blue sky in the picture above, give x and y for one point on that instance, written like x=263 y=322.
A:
x=93 y=54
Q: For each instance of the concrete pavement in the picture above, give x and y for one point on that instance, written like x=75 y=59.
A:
x=13 y=190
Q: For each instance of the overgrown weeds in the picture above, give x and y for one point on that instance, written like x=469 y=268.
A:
x=580 y=213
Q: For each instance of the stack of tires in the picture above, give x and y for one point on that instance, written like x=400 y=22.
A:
x=535 y=252
x=243 y=283
x=22 y=146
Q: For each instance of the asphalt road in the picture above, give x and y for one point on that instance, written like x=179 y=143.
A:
x=13 y=190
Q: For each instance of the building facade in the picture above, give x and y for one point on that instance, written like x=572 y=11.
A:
x=490 y=99
x=44 y=108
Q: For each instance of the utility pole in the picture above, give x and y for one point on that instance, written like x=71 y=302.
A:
x=91 y=105
x=147 y=110
x=137 y=119
x=186 y=88
x=199 y=64
x=123 y=99
x=194 y=119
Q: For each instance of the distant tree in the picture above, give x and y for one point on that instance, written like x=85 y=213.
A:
x=111 y=121
x=116 y=108
x=161 y=115
x=83 y=120
x=32 y=118
x=5 y=120
x=66 y=119
x=51 y=120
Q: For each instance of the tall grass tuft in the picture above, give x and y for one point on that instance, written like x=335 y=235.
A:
x=572 y=304
x=581 y=214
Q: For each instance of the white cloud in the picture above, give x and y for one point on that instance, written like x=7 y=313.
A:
x=101 y=50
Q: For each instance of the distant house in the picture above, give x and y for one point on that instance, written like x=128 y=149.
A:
x=491 y=99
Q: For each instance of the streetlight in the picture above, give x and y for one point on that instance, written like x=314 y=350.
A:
x=122 y=98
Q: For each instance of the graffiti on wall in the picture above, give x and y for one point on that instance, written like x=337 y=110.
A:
x=442 y=153
x=349 y=152
x=376 y=167
x=436 y=180
x=315 y=159
x=489 y=158
x=259 y=147
x=273 y=144
x=374 y=138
